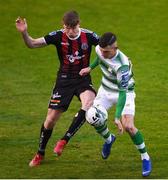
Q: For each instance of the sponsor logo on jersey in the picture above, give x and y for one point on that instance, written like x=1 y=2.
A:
x=74 y=57
x=55 y=101
x=52 y=104
x=56 y=95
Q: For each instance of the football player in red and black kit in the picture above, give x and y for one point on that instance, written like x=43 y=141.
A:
x=73 y=46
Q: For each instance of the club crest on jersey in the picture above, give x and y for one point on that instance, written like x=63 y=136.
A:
x=84 y=46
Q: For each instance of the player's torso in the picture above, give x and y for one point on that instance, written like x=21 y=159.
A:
x=73 y=54
x=110 y=69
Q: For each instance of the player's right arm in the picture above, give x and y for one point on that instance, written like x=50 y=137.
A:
x=21 y=26
x=87 y=70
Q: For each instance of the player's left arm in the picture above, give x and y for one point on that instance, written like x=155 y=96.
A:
x=122 y=79
x=93 y=40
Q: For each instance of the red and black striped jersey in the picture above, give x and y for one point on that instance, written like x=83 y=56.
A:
x=73 y=54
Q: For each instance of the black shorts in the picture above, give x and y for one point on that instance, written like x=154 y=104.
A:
x=65 y=88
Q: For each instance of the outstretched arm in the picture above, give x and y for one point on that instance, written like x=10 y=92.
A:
x=21 y=26
x=87 y=70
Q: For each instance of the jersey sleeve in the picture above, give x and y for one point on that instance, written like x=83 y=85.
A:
x=95 y=63
x=123 y=77
x=51 y=38
x=122 y=80
x=120 y=104
x=94 y=38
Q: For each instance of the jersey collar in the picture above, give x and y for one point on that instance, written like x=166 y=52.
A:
x=115 y=55
x=76 y=36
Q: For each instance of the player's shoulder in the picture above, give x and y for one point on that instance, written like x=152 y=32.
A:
x=92 y=33
x=86 y=31
x=122 y=58
x=99 y=54
x=56 y=32
x=53 y=37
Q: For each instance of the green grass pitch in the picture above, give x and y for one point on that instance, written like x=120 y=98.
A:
x=27 y=77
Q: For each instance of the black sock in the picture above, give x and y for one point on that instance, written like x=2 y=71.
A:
x=45 y=135
x=77 y=122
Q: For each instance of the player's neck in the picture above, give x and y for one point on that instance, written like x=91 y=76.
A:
x=77 y=36
x=114 y=55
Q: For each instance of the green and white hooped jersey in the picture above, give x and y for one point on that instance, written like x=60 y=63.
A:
x=117 y=72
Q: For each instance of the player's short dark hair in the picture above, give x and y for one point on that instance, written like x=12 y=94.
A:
x=106 y=39
x=71 y=18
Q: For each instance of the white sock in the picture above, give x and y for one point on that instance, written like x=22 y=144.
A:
x=109 y=139
x=145 y=156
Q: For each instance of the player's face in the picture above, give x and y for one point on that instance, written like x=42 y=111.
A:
x=72 y=32
x=109 y=51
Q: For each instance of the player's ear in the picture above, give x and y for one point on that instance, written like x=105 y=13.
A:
x=77 y=26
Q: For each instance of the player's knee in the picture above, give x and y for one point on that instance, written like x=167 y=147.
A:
x=87 y=104
x=50 y=121
x=130 y=128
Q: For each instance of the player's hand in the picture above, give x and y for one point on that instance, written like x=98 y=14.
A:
x=119 y=126
x=21 y=24
x=85 y=71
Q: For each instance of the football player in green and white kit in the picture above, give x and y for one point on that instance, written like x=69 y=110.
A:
x=117 y=88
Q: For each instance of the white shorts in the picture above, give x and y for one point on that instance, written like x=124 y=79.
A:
x=109 y=98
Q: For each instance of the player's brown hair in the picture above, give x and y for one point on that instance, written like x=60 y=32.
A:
x=71 y=18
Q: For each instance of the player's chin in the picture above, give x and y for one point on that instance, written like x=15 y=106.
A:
x=106 y=57
x=71 y=36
